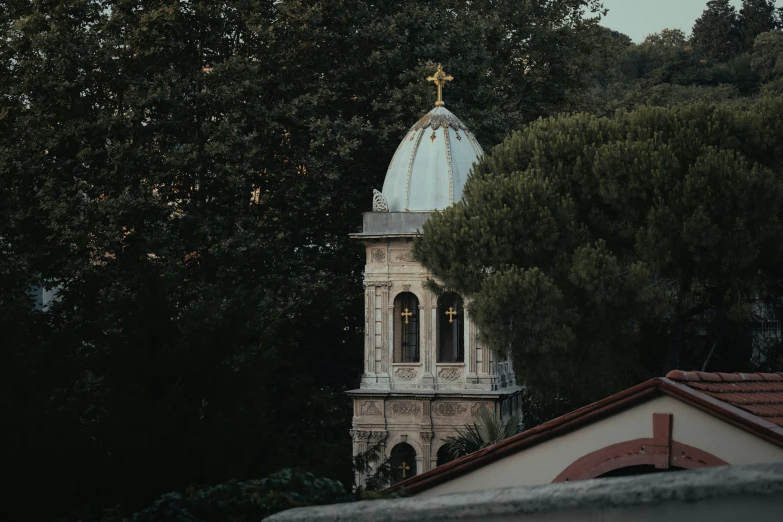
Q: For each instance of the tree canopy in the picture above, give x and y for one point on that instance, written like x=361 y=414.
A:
x=716 y=32
x=185 y=174
x=604 y=251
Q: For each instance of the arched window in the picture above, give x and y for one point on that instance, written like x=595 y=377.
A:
x=406 y=328
x=443 y=455
x=451 y=331
x=402 y=462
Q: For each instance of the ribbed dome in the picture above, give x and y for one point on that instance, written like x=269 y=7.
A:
x=431 y=164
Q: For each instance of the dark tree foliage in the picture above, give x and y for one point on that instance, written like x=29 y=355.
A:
x=253 y=500
x=185 y=174
x=756 y=17
x=767 y=61
x=605 y=251
x=668 y=68
x=716 y=33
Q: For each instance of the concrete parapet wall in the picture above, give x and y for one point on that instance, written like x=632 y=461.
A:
x=728 y=493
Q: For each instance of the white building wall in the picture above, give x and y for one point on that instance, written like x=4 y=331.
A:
x=543 y=462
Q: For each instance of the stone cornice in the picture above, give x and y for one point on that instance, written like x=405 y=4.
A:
x=377 y=283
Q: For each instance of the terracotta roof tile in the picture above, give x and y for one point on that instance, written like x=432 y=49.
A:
x=679 y=375
x=758 y=393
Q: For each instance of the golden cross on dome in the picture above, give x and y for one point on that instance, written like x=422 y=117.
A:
x=404 y=467
x=406 y=314
x=451 y=313
x=440 y=78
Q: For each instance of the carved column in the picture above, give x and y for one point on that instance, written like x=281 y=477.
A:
x=471 y=357
x=386 y=328
x=389 y=335
x=427 y=379
x=426 y=449
x=370 y=329
x=364 y=440
x=359 y=438
x=434 y=337
x=376 y=330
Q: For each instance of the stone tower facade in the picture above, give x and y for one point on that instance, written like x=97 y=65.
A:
x=425 y=371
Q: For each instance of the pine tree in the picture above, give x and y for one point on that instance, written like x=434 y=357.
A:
x=755 y=17
x=767 y=60
x=716 y=33
x=605 y=251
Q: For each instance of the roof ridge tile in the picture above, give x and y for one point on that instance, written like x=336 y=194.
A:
x=698 y=376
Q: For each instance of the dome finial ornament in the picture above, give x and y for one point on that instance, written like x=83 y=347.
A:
x=440 y=78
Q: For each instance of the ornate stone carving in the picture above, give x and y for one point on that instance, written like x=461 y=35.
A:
x=434 y=121
x=449 y=374
x=379 y=203
x=478 y=405
x=367 y=436
x=406 y=374
x=370 y=408
x=448 y=409
x=378 y=256
x=377 y=283
x=406 y=288
x=426 y=436
x=360 y=435
x=402 y=408
x=377 y=436
x=406 y=255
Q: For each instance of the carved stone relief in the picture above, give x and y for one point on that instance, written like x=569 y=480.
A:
x=449 y=374
x=406 y=374
x=426 y=436
x=448 y=409
x=377 y=283
x=478 y=405
x=440 y=120
x=370 y=408
x=376 y=436
x=403 y=256
x=367 y=436
x=401 y=408
x=378 y=255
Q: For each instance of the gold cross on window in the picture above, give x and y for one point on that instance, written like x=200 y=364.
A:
x=404 y=467
x=451 y=313
x=406 y=314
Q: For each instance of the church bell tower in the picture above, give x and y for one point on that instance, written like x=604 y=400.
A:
x=425 y=373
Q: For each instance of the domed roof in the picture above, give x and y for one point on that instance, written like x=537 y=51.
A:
x=431 y=164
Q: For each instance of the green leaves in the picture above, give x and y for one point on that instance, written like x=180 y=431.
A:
x=487 y=430
x=716 y=32
x=602 y=251
x=187 y=173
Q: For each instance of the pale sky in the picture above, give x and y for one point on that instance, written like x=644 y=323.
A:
x=638 y=18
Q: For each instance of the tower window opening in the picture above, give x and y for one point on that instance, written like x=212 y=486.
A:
x=406 y=328
x=451 y=331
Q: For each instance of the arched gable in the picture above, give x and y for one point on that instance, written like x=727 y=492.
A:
x=660 y=451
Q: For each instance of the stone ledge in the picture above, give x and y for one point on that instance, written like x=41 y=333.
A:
x=727 y=493
x=433 y=393
x=385 y=224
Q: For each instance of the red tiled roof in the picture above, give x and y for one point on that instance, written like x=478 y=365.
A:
x=758 y=393
x=719 y=394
